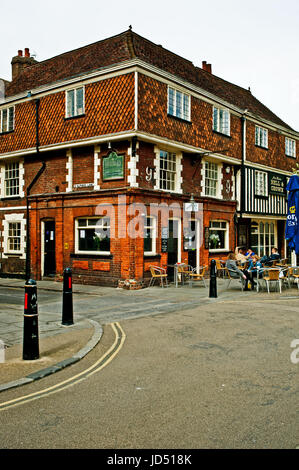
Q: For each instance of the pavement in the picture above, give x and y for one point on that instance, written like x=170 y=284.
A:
x=61 y=346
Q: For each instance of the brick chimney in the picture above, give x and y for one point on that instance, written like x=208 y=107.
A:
x=206 y=67
x=20 y=62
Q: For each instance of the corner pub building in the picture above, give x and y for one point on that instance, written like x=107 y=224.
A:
x=125 y=121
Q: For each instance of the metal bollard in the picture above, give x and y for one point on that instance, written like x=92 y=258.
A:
x=213 y=279
x=67 y=298
x=30 y=336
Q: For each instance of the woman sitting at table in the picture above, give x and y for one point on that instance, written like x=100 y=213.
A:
x=254 y=265
x=235 y=272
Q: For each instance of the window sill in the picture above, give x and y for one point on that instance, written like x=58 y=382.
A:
x=91 y=255
x=10 y=198
x=222 y=134
x=15 y=254
x=259 y=196
x=186 y=121
x=291 y=156
x=69 y=118
x=151 y=255
x=261 y=147
x=6 y=132
x=219 y=250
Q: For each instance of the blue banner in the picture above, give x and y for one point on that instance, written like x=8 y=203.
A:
x=292 y=229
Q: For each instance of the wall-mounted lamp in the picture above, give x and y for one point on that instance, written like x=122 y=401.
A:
x=109 y=145
x=227 y=169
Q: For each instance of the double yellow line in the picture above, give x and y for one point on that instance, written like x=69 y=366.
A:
x=96 y=367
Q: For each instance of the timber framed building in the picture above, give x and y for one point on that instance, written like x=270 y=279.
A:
x=124 y=121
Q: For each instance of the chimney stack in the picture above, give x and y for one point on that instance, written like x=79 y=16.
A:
x=20 y=62
x=206 y=67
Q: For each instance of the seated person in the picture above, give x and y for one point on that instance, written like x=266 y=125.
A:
x=249 y=254
x=240 y=255
x=268 y=260
x=235 y=272
x=254 y=265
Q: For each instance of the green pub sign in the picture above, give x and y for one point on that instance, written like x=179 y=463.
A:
x=113 y=166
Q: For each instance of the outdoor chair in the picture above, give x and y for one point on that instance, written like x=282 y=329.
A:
x=231 y=278
x=184 y=271
x=158 y=273
x=220 y=268
x=272 y=275
x=294 y=275
x=194 y=276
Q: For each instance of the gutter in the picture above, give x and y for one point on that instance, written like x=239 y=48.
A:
x=36 y=177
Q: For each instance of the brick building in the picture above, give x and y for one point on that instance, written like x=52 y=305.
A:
x=123 y=121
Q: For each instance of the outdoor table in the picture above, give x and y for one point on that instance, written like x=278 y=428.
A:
x=176 y=273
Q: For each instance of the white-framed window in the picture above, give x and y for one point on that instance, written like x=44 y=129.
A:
x=261 y=137
x=7 y=119
x=178 y=104
x=75 y=102
x=14 y=235
x=12 y=179
x=167 y=170
x=218 y=235
x=261 y=183
x=290 y=147
x=150 y=236
x=92 y=235
x=211 y=179
x=221 y=120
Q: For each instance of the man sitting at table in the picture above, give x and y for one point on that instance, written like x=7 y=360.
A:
x=268 y=260
x=240 y=255
x=236 y=273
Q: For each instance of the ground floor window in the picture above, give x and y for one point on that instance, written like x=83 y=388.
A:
x=263 y=237
x=149 y=236
x=14 y=237
x=93 y=235
x=218 y=235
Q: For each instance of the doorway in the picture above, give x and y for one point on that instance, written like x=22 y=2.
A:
x=49 y=248
x=174 y=240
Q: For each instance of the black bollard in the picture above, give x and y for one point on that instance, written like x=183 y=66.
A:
x=67 y=298
x=213 y=279
x=30 y=336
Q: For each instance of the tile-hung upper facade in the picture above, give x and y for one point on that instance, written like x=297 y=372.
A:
x=124 y=120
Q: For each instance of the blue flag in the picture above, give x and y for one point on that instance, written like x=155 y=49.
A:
x=292 y=229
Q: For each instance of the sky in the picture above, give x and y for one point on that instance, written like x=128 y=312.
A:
x=250 y=43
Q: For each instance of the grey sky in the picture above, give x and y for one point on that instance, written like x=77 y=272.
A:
x=250 y=43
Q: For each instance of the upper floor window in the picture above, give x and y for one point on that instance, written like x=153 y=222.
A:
x=7 y=119
x=178 y=104
x=221 y=121
x=261 y=137
x=261 y=183
x=75 y=102
x=93 y=235
x=167 y=171
x=290 y=147
x=211 y=179
x=12 y=179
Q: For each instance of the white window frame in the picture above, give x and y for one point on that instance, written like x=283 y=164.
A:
x=226 y=236
x=67 y=113
x=77 y=228
x=12 y=219
x=261 y=175
x=3 y=179
x=290 y=147
x=221 y=120
x=153 y=237
x=180 y=111
x=261 y=137
x=177 y=174
x=218 y=182
x=10 y=110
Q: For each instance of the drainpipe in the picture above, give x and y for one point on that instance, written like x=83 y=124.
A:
x=38 y=174
x=243 y=193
